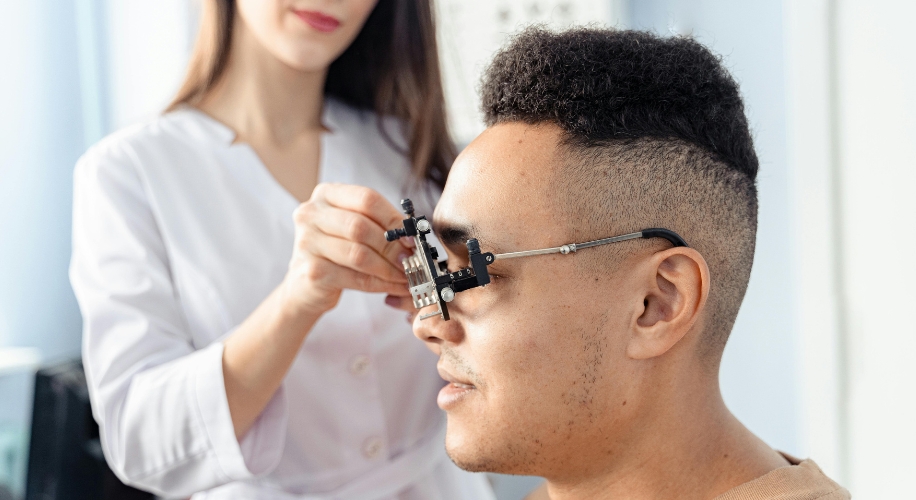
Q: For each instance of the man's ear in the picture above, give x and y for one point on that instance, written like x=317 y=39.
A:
x=675 y=289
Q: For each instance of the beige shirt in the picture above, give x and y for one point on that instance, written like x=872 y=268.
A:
x=803 y=480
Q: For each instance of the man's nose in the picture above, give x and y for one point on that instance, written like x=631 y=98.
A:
x=435 y=330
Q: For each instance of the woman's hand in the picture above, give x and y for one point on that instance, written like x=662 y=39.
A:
x=340 y=244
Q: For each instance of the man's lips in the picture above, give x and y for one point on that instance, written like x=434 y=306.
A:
x=448 y=376
x=317 y=20
x=456 y=389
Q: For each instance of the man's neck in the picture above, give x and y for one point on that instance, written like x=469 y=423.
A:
x=694 y=448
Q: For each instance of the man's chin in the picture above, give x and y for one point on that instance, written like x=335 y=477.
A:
x=471 y=462
x=469 y=450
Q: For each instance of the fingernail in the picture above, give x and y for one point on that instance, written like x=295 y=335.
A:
x=409 y=318
x=392 y=301
x=403 y=256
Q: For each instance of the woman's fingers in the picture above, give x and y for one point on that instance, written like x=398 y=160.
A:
x=404 y=303
x=360 y=281
x=362 y=200
x=356 y=227
x=340 y=244
x=329 y=279
x=354 y=256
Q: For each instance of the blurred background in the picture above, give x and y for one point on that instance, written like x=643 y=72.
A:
x=821 y=361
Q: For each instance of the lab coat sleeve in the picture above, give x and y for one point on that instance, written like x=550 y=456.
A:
x=160 y=404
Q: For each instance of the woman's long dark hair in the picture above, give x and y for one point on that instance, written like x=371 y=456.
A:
x=391 y=68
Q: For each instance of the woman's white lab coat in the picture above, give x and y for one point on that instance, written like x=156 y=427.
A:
x=178 y=234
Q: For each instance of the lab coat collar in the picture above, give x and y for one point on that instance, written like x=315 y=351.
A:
x=222 y=133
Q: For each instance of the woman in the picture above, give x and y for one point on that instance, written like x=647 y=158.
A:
x=230 y=348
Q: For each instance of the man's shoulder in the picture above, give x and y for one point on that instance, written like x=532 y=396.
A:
x=802 y=480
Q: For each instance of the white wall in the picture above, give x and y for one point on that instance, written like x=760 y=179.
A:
x=816 y=228
x=854 y=155
x=147 y=55
x=876 y=144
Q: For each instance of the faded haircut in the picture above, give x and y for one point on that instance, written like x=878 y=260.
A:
x=654 y=135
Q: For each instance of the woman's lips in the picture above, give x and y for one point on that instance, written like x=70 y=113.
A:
x=452 y=394
x=317 y=20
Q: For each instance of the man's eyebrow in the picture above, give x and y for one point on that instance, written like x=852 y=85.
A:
x=453 y=235
x=457 y=235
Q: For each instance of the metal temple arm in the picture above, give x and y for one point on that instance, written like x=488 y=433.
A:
x=572 y=247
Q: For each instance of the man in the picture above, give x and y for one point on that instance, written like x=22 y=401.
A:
x=598 y=369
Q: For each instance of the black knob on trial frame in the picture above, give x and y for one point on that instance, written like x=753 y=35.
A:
x=407 y=206
x=409 y=228
x=395 y=234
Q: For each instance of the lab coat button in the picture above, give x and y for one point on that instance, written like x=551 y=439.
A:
x=372 y=447
x=359 y=365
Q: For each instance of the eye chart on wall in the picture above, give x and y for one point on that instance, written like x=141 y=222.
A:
x=471 y=31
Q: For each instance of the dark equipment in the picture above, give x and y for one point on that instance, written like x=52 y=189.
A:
x=65 y=455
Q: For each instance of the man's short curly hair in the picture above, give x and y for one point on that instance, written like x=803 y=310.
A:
x=655 y=135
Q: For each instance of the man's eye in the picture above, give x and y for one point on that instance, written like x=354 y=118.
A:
x=452 y=270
